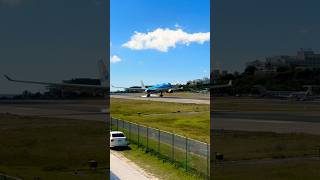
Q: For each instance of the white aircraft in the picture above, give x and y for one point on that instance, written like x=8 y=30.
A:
x=104 y=77
x=103 y=80
x=298 y=95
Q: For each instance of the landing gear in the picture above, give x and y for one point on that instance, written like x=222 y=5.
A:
x=161 y=95
x=148 y=95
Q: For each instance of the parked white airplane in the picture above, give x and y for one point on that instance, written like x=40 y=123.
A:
x=103 y=80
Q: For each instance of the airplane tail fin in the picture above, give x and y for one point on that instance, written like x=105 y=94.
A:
x=308 y=91
x=262 y=90
x=103 y=73
x=7 y=77
x=142 y=84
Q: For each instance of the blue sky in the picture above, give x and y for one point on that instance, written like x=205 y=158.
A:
x=189 y=59
x=249 y=29
x=49 y=41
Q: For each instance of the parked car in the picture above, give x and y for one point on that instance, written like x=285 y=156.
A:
x=118 y=139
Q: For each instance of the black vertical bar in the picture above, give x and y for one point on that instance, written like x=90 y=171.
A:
x=212 y=50
x=208 y=162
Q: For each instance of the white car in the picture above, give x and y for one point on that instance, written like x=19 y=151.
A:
x=118 y=139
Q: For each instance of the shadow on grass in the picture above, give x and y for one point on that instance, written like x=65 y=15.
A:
x=121 y=148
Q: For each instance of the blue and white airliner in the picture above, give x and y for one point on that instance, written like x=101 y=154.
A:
x=104 y=84
x=165 y=87
x=158 y=88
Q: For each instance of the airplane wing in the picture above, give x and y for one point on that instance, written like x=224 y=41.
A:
x=57 y=84
x=214 y=86
x=130 y=88
x=221 y=85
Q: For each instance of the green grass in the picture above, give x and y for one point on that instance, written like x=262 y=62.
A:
x=160 y=169
x=51 y=148
x=189 y=121
x=194 y=163
x=239 y=145
x=303 y=170
x=193 y=121
x=235 y=145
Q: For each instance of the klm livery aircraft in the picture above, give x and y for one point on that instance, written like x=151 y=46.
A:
x=165 y=87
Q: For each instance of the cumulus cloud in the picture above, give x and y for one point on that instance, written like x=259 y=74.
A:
x=164 y=39
x=115 y=59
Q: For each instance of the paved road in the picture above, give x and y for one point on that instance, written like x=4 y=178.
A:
x=165 y=99
x=122 y=168
x=245 y=121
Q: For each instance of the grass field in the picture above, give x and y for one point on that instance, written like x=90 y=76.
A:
x=179 y=118
x=193 y=121
x=157 y=167
x=305 y=170
x=193 y=162
x=239 y=145
x=51 y=148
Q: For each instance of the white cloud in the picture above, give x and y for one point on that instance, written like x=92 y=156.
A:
x=163 y=39
x=115 y=59
x=177 y=26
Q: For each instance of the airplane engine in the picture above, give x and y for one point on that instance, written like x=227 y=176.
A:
x=170 y=91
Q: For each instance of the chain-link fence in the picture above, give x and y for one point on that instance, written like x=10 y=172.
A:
x=190 y=154
x=6 y=177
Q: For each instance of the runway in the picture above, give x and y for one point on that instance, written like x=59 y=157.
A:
x=279 y=122
x=164 y=99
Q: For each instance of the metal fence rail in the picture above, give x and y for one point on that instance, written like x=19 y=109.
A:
x=6 y=177
x=190 y=154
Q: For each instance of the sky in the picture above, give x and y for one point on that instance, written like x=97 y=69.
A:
x=249 y=29
x=151 y=40
x=49 y=41
x=159 y=41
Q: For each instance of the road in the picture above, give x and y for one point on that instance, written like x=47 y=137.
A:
x=122 y=168
x=164 y=99
x=280 y=122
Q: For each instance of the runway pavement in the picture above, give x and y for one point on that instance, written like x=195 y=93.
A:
x=280 y=122
x=164 y=99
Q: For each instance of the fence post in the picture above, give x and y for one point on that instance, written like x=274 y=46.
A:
x=110 y=124
x=186 y=154
x=117 y=124
x=138 y=136
x=130 y=131
x=147 y=139
x=158 y=142
x=172 y=147
x=122 y=125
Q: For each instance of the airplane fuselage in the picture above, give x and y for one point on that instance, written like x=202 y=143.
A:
x=159 y=88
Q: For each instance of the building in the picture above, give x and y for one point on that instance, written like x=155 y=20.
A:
x=304 y=59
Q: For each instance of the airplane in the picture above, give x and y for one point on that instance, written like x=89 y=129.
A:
x=158 y=88
x=102 y=73
x=168 y=87
x=298 y=95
